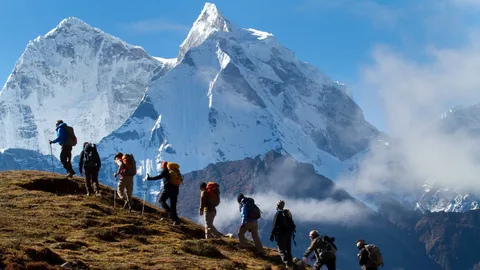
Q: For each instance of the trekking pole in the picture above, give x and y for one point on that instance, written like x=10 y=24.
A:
x=51 y=156
x=144 y=196
x=115 y=193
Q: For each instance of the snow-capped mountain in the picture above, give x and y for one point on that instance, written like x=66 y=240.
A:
x=90 y=79
x=459 y=119
x=22 y=159
x=237 y=93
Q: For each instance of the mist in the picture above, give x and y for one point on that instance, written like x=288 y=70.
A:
x=415 y=96
x=346 y=213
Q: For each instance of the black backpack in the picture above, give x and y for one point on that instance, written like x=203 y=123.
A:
x=329 y=241
x=253 y=211
x=288 y=223
x=90 y=156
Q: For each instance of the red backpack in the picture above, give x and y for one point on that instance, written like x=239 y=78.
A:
x=213 y=193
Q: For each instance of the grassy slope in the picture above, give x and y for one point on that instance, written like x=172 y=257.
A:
x=45 y=215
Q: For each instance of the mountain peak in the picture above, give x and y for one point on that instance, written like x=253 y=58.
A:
x=209 y=21
x=70 y=23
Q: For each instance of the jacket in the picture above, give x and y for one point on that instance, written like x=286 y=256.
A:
x=244 y=211
x=96 y=157
x=363 y=258
x=204 y=203
x=61 y=134
x=322 y=250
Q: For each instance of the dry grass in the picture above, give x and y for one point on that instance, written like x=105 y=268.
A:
x=47 y=220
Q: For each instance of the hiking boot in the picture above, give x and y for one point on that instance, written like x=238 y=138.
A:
x=178 y=222
x=98 y=194
x=88 y=193
x=70 y=175
x=129 y=205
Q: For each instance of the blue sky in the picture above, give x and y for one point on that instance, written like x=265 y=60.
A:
x=344 y=38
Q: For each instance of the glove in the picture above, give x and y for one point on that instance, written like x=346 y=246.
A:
x=200 y=212
x=49 y=141
x=148 y=176
x=115 y=174
x=272 y=237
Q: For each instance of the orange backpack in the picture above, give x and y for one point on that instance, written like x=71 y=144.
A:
x=213 y=193
x=129 y=164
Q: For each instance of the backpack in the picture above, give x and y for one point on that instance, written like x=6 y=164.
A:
x=71 y=139
x=129 y=164
x=330 y=245
x=213 y=193
x=288 y=223
x=90 y=156
x=374 y=255
x=176 y=178
x=253 y=211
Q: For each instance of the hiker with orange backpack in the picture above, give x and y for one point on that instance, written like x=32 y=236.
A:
x=171 y=187
x=67 y=139
x=209 y=200
x=127 y=169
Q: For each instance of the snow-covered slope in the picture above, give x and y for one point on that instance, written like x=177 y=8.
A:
x=90 y=79
x=238 y=93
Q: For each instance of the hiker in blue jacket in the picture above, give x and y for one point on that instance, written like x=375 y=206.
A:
x=67 y=144
x=249 y=223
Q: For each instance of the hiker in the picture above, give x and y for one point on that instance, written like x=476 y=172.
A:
x=369 y=256
x=127 y=170
x=250 y=214
x=90 y=161
x=324 y=249
x=209 y=200
x=67 y=139
x=283 y=228
x=171 y=187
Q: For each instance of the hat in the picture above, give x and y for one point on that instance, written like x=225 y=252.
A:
x=240 y=197
x=280 y=204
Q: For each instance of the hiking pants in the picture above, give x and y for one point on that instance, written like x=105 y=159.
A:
x=252 y=227
x=66 y=158
x=331 y=265
x=91 y=179
x=210 y=230
x=284 y=244
x=125 y=188
x=172 y=194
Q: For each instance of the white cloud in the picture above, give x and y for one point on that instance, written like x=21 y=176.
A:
x=414 y=92
x=155 y=26
x=303 y=211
